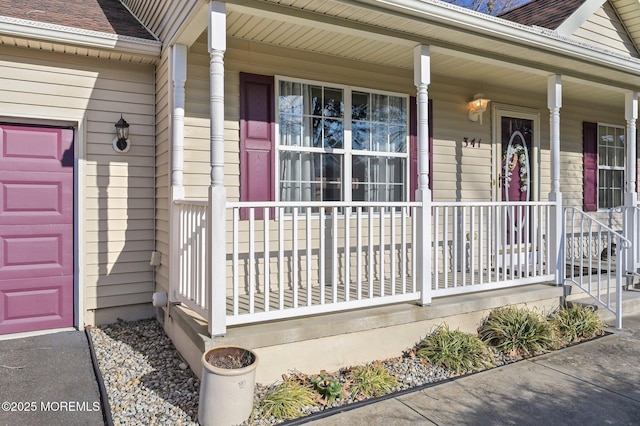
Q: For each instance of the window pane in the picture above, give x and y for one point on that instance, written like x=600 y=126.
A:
x=398 y=138
x=379 y=107
x=378 y=178
x=379 y=137
x=397 y=110
x=298 y=180
x=602 y=155
x=333 y=134
x=359 y=106
x=361 y=135
x=333 y=104
x=331 y=177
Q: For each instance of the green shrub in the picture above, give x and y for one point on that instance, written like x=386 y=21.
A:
x=287 y=400
x=577 y=322
x=455 y=350
x=517 y=332
x=372 y=380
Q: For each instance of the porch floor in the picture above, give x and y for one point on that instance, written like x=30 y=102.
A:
x=289 y=298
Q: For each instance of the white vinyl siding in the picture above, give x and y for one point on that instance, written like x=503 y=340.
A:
x=605 y=30
x=117 y=224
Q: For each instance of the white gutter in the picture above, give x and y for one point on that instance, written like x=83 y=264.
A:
x=502 y=29
x=78 y=37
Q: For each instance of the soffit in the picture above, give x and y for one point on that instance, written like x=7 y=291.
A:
x=454 y=53
x=629 y=12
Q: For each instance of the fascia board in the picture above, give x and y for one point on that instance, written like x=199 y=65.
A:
x=41 y=31
x=484 y=25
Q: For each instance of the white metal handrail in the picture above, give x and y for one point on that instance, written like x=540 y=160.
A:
x=595 y=259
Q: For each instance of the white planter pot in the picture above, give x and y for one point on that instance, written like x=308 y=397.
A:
x=226 y=394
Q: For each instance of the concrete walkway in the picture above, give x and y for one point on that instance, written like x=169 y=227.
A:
x=595 y=383
x=48 y=380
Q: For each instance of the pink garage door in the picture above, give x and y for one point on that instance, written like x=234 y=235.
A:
x=36 y=228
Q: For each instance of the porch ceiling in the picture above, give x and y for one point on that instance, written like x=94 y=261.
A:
x=344 y=30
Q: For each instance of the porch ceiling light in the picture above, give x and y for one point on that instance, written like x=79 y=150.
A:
x=477 y=106
x=121 y=141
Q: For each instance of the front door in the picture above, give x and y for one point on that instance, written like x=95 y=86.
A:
x=36 y=228
x=516 y=137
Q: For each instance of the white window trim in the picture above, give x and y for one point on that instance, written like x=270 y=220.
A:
x=347 y=151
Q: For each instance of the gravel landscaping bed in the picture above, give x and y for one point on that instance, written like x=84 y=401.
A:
x=148 y=382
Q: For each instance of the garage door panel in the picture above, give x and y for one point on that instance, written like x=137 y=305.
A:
x=35 y=251
x=31 y=198
x=30 y=147
x=36 y=228
x=25 y=306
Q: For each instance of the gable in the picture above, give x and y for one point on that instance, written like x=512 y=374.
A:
x=606 y=29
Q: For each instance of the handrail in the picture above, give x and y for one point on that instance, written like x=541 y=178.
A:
x=626 y=242
x=589 y=276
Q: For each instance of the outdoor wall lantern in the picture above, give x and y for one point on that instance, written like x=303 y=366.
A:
x=121 y=142
x=477 y=106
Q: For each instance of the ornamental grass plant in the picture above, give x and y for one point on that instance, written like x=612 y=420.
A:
x=372 y=380
x=576 y=322
x=456 y=350
x=517 y=332
x=286 y=401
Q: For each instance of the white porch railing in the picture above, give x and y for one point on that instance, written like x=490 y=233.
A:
x=189 y=221
x=288 y=260
x=485 y=246
x=595 y=259
x=318 y=258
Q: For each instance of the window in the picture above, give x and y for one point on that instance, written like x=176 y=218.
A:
x=611 y=149
x=336 y=143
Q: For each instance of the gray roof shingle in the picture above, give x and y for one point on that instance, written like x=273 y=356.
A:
x=106 y=16
x=543 y=13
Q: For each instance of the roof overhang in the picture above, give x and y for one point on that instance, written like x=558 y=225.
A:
x=551 y=44
x=35 y=34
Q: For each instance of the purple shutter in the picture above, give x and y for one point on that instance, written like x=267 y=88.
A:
x=257 y=139
x=590 y=166
x=413 y=147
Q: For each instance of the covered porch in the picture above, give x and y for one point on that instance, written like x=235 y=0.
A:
x=236 y=263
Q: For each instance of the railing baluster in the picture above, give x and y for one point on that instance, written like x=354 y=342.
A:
x=235 y=261
x=371 y=254
x=334 y=255
x=403 y=248
x=359 y=251
x=321 y=256
x=347 y=254
x=294 y=254
x=281 y=284
x=267 y=257
x=381 y=251
x=392 y=249
x=252 y=257
x=308 y=262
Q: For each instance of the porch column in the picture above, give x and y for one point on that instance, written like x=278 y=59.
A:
x=179 y=77
x=216 y=276
x=554 y=103
x=422 y=78
x=631 y=192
